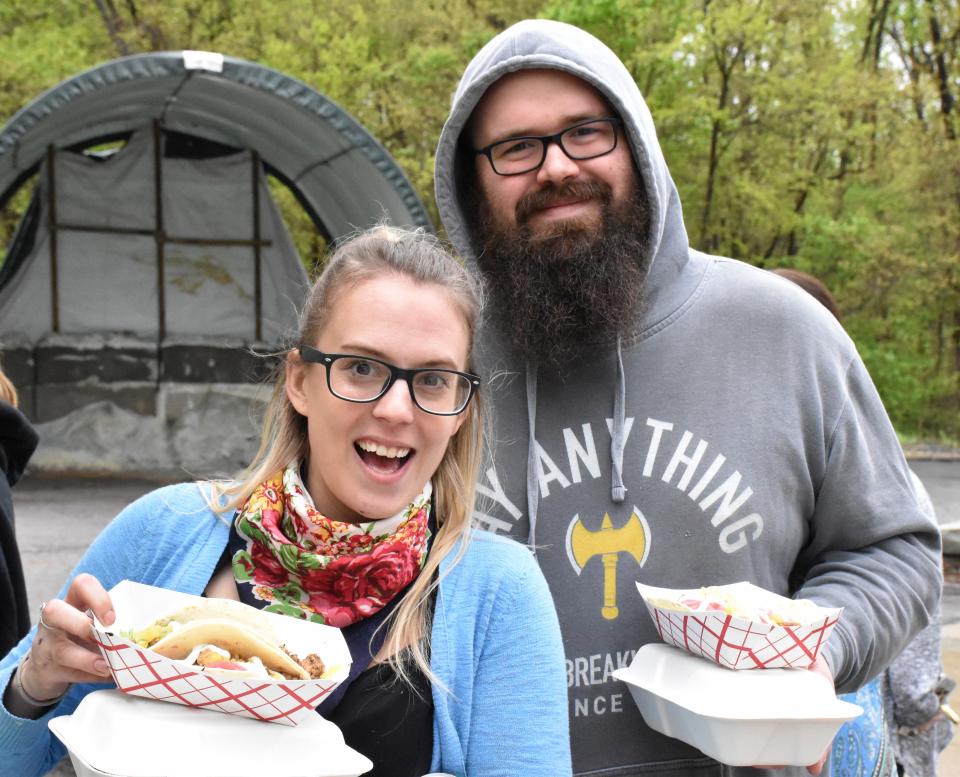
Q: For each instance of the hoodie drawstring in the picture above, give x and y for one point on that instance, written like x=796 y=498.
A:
x=617 y=490
x=533 y=481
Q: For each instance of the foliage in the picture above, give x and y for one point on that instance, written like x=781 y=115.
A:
x=808 y=133
x=820 y=135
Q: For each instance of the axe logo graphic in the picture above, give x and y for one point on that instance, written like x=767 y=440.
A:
x=633 y=538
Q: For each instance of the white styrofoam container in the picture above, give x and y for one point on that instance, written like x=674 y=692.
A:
x=116 y=734
x=141 y=672
x=783 y=717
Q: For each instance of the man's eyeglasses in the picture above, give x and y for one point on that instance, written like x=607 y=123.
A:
x=584 y=140
x=362 y=379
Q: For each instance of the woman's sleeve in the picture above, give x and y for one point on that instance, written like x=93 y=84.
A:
x=27 y=747
x=519 y=721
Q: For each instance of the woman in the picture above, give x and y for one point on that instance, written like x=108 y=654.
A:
x=355 y=512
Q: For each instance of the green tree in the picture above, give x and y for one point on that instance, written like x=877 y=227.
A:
x=812 y=133
x=819 y=135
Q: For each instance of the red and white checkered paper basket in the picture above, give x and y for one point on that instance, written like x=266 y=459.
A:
x=735 y=642
x=141 y=672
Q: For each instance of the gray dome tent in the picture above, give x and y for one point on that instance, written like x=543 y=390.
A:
x=138 y=278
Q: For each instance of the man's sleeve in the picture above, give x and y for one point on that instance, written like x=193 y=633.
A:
x=873 y=549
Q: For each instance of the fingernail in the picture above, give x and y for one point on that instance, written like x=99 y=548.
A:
x=109 y=617
x=101 y=666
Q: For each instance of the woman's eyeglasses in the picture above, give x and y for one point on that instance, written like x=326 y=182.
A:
x=363 y=379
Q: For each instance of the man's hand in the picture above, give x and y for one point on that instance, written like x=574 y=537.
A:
x=820 y=667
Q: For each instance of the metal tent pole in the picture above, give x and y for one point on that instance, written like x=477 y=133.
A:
x=258 y=292
x=158 y=231
x=52 y=227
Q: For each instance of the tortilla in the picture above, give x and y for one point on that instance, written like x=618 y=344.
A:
x=242 y=631
x=229 y=610
x=237 y=639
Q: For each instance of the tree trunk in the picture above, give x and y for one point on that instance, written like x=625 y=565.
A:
x=941 y=70
x=109 y=15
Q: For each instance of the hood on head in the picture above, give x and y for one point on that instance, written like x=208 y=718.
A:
x=543 y=44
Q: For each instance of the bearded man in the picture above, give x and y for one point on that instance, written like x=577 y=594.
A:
x=667 y=416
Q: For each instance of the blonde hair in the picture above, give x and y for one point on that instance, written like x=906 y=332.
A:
x=419 y=256
x=8 y=393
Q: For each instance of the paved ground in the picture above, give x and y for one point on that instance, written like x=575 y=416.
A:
x=942 y=479
x=57 y=520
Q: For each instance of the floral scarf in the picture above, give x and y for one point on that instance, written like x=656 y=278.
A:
x=311 y=567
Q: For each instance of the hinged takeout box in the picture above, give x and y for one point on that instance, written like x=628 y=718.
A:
x=780 y=716
x=139 y=671
x=112 y=734
x=761 y=631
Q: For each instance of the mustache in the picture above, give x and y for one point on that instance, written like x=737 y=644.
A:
x=551 y=195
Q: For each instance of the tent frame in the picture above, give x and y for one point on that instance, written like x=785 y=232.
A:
x=159 y=234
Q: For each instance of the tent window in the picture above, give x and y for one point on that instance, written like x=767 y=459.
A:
x=12 y=217
x=104 y=151
x=311 y=243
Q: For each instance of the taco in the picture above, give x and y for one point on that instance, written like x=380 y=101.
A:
x=226 y=638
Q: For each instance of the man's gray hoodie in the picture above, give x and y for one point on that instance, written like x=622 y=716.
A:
x=731 y=433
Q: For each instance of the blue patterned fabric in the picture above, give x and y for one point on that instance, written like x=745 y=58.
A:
x=861 y=747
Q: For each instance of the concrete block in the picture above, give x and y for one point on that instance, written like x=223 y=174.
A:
x=18 y=365
x=57 y=400
x=107 y=359
x=177 y=401
x=212 y=363
x=214 y=430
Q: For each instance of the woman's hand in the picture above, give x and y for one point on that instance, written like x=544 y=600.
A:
x=63 y=652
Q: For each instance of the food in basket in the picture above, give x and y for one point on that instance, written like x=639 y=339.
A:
x=748 y=605
x=219 y=637
x=152 y=617
x=741 y=626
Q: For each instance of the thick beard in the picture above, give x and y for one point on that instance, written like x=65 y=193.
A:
x=553 y=295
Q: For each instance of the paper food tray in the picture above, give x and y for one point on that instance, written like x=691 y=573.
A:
x=736 y=642
x=141 y=672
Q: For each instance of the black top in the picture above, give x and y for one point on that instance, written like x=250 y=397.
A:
x=388 y=721
x=17 y=443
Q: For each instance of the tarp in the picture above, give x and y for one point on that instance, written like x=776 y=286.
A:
x=141 y=331
x=83 y=281
x=108 y=282
x=345 y=177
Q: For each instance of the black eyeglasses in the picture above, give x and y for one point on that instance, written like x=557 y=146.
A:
x=362 y=379
x=584 y=140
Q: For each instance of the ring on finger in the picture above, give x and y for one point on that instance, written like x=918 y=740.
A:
x=43 y=623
